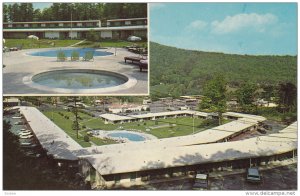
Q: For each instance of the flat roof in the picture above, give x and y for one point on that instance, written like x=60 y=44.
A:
x=241 y=115
x=207 y=136
x=115 y=117
x=65 y=21
x=143 y=159
x=128 y=19
x=51 y=137
x=11 y=100
x=136 y=27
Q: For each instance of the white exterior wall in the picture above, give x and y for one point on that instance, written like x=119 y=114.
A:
x=26 y=25
x=73 y=34
x=43 y=25
x=106 y=34
x=51 y=35
x=79 y=24
x=60 y=24
x=128 y=22
x=10 y=25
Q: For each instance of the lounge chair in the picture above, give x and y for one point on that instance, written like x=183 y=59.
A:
x=61 y=56
x=89 y=55
x=143 y=65
x=75 y=56
x=133 y=59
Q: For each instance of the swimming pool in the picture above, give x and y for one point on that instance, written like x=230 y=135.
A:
x=68 y=52
x=129 y=136
x=79 y=79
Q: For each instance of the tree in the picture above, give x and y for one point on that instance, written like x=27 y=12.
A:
x=75 y=125
x=215 y=93
x=287 y=96
x=92 y=36
x=246 y=95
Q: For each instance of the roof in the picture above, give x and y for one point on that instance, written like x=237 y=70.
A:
x=115 y=117
x=64 y=21
x=137 y=27
x=11 y=100
x=141 y=159
x=128 y=19
x=249 y=116
x=51 y=137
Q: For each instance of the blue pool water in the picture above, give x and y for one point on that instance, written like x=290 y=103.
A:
x=130 y=136
x=79 y=79
x=68 y=52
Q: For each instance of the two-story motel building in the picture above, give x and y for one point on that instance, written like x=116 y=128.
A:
x=108 y=29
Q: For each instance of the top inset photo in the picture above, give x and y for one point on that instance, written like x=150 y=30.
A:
x=75 y=49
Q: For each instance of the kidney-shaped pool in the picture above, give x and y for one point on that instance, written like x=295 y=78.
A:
x=68 y=52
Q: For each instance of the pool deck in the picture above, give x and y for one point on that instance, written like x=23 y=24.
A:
x=19 y=65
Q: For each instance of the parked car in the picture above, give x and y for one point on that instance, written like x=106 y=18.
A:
x=253 y=175
x=201 y=182
x=134 y=38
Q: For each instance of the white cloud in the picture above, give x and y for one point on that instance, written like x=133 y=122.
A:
x=239 y=22
x=156 y=5
x=196 y=25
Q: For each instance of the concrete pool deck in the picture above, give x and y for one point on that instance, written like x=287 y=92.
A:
x=19 y=65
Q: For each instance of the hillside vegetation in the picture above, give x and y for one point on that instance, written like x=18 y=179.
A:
x=177 y=72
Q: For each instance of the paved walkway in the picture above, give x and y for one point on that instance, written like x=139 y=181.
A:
x=77 y=43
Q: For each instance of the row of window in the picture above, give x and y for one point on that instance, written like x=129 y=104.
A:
x=75 y=24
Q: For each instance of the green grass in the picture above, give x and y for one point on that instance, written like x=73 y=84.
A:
x=43 y=43
x=184 y=126
x=111 y=43
x=66 y=125
x=100 y=142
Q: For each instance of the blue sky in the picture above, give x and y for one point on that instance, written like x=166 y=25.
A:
x=239 y=28
x=40 y=5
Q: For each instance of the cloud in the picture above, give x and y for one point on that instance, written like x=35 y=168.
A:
x=156 y=5
x=240 y=22
x=196 y=25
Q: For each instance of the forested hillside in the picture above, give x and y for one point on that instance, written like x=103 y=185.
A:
x=23 y=12
x=177 y=72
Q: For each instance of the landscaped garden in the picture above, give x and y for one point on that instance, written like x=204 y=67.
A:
x=161 y=128
x=50 y=43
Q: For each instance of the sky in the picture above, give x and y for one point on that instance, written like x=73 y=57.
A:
x=40 y=5
x=235 y=28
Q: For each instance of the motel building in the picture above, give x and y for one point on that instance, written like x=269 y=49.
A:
x=108 y=29
x=158 y=160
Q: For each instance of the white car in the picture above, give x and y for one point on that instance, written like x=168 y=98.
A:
x=134 y=38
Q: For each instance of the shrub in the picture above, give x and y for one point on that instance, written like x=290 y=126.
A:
x=86 y=138
x=83 y=126
x=92 y=36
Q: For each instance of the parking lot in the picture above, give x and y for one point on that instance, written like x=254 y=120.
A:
x=279 y=178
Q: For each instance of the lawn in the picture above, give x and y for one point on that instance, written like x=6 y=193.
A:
x=111 y=43
x=162 y=128
x=50 y=43
x=66 y=124
x=43 y=43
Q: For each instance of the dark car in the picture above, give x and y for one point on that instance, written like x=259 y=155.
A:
x=201 y=182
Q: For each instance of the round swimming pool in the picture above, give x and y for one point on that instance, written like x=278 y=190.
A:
x=68 y=52
x=129 y=136
x=79 y=79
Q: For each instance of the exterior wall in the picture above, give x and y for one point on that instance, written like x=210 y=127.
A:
x=51 y=35
x=106 y=34
x=73 y=34
x=146 y=177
